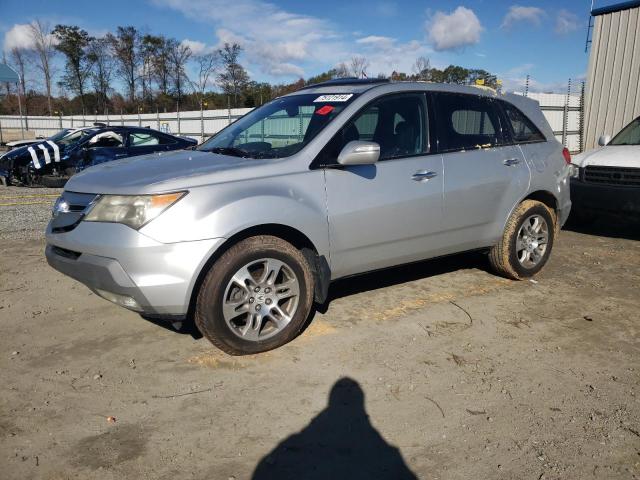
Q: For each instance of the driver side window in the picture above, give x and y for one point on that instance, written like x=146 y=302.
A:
x=397 y=123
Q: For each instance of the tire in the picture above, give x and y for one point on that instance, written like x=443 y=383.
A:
x=506 y=257
x=240 y=321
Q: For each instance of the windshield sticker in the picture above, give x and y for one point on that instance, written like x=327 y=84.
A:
x=334 y=98
x=327 y=109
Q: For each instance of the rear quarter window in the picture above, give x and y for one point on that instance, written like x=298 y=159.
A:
x=522 y=129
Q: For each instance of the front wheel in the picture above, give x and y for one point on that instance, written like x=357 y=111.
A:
x=256 y=296
x=526 y=243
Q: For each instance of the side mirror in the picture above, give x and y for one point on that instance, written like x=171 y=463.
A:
x=359 y=153
x=604 y=139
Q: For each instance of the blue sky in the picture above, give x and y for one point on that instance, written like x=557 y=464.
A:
x=286 y=39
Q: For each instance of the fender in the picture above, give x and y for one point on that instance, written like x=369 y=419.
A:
x=224 y=210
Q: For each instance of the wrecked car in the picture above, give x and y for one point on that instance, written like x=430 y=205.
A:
x=51 y=162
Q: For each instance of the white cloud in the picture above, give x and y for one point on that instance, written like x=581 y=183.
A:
x=18 y=36
x=196 y=47
x=386 y=54
x=566 y=22
x=455 y=30
x=518 y=13
x=275 y=40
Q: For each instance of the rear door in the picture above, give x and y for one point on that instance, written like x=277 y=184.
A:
x=386 y=213
x=484 y=173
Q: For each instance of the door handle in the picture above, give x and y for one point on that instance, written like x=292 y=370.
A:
x=120 y=155
x=511 y=162
x=423 y=175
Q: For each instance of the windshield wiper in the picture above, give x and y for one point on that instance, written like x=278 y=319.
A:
x=233 y=151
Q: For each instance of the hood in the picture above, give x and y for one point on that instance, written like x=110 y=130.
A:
x=162 y=172
x=610 y=156
x=23 y=150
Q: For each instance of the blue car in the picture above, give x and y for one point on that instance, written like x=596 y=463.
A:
x=51 y=162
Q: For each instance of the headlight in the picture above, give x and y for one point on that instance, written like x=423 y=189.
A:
x=132 y=210
x=574 y=171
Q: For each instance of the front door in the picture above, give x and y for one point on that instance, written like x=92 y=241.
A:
x=104 y=147
x=384 y=214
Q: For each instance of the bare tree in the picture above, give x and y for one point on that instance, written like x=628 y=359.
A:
x=19 y=59
x=7 y=85
x=206 y=65
x=341 y=70
x=359 y=66
x=421 y=69
x=179 y=55
x=102 y=71
x=44 y=44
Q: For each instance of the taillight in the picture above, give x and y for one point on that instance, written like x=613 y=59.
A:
x=566 y=155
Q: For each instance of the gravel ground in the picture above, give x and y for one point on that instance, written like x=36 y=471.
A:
x=438 y=370
x=25 y=212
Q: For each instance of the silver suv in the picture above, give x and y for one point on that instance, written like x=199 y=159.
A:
x=246 y=232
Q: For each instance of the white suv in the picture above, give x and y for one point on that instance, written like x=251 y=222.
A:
x=608 y=179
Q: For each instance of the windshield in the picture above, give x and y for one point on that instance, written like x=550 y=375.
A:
x=629 y=135
x=279 y=128
x=76 y=136
x=61 y=134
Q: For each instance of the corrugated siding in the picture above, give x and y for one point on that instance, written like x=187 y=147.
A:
x=612 y=97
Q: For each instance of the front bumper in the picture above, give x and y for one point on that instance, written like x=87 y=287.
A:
x=114 y=260
x=605 y=198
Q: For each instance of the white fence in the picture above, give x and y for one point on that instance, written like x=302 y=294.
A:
x=191 y=123
x=563 y=113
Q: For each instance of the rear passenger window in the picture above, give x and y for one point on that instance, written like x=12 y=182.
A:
x=140 y=139
x=522 y=129
x=466 y=122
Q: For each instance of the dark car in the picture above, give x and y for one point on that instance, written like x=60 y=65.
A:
x=52 y=162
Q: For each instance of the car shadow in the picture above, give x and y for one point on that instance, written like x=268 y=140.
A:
x=357 y=284
x=607 y=225
x=403 y=274
x=338 y=443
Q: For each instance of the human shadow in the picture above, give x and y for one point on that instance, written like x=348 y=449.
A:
x=339 y=443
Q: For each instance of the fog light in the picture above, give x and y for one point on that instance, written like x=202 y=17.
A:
x=122 y=300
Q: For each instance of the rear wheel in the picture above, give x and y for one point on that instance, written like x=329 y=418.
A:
x=526 y=243
x=256 y=297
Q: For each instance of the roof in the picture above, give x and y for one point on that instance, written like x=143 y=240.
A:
x=347 y=81
x=615 y=8
x=8 y=74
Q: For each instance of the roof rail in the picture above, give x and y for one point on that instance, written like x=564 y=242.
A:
x=346 y=81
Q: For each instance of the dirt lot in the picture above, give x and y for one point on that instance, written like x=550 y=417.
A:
x=438 y=370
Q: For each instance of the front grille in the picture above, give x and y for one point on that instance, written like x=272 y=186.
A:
x=619 y=176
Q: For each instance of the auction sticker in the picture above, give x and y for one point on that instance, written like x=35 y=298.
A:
x=343 y=97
